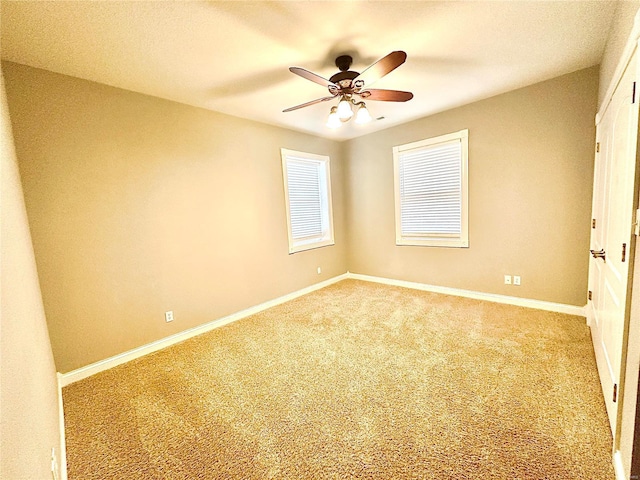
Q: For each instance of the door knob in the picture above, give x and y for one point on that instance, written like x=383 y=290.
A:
x=598 y=254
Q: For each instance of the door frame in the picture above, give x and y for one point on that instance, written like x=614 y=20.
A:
x=628 y=421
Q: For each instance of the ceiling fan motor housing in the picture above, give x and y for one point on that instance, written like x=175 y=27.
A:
x=343 y=62
x=340 y=76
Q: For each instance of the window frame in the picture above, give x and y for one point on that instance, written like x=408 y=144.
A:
x=435 y=240
x=322 y=162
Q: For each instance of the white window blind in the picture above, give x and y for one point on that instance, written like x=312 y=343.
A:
x=308 y=200
x=431 y=191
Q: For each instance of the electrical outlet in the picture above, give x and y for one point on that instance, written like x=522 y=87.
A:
x=507 y=279
x=168 y=316
x=319 y=270
x=516 y=279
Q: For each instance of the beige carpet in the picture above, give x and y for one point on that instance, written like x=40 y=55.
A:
x=356 y=380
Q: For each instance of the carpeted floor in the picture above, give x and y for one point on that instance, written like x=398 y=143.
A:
x=357 y=380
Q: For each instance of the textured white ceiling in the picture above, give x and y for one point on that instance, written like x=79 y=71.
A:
x=233 y=57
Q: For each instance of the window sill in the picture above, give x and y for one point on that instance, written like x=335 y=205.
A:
x=310 y=246
x=447 y=243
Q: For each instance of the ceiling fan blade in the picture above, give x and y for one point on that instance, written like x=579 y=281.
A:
x=386 y=95
x=382 y=67
x=312 y=102
x=311 y=76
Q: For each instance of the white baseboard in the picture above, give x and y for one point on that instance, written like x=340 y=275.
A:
x=102 y=365
x=618 y=467
x=490 y=297
x=62 y=460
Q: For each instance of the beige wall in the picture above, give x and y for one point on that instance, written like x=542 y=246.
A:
x=139 y=205
x=28 y=386
x=618 y=34
x=530 y=182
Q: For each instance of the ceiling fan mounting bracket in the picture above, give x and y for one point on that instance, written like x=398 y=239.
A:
x=343 y=62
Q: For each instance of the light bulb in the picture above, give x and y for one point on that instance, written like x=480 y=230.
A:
x=333 y=121
x=363 y=115
x=344 y=109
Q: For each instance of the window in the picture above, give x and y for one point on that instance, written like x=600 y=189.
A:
x=431 y=191
x=307 y=190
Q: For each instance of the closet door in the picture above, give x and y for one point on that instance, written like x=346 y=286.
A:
x=614 y=179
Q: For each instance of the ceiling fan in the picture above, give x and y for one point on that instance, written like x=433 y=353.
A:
x=347 y=85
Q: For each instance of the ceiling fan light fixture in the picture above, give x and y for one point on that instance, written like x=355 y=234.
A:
x=333 y=121
x=362 y=115
x=344 y=109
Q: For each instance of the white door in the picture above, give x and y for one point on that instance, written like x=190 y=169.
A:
x=617 y=133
